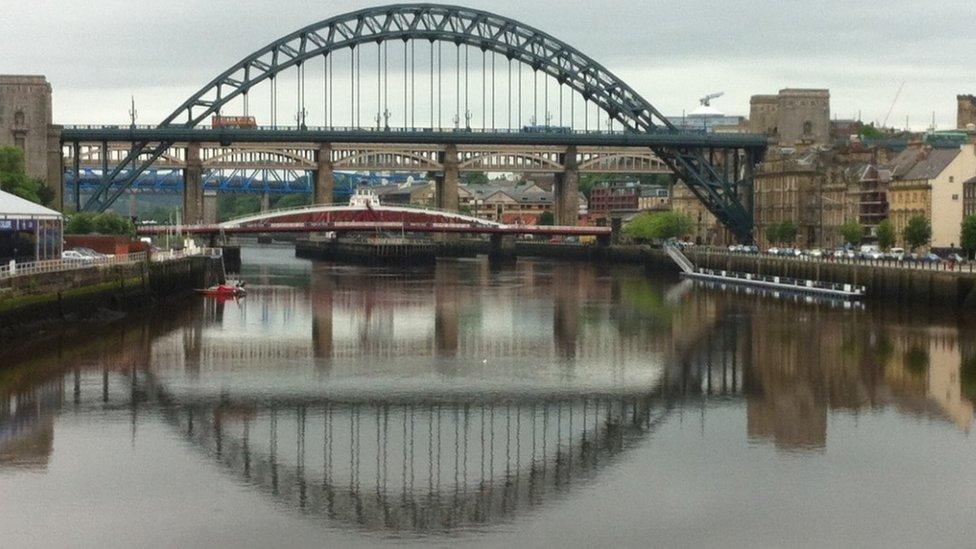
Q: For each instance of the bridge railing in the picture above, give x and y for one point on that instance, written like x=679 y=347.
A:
x=14 y=269
x=373 y=129
x=169 y=255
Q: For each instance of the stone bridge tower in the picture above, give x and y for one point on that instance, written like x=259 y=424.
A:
x=26 y=122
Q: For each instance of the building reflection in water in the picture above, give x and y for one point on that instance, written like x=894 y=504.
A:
x=437 y=399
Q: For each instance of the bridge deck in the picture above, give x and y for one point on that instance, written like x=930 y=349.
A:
x=70 y=134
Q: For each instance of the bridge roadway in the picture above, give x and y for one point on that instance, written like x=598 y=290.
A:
x=369 y=218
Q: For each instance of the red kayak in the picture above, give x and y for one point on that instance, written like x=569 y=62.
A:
x=224 y=290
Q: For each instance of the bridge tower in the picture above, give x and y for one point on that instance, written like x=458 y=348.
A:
x=447 y=182
x=324 y=178
x=193 y=186
x=566 y=190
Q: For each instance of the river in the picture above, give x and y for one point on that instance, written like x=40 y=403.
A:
x=532 y=404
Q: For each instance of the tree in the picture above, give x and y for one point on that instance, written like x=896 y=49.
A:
x=968 y=238
x=547 y=219
x=80 y=223
x=476 y=178
x=783 y=232
x=109 y=223
x=886 y=235
x=115 y=224
x=787 y=232
x=14 y=179
x=918 y=232
x=660 y=226
x=293 y=201
x=852 y=232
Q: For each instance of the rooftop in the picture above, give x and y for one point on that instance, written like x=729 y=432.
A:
x=15 y=207
x=922 y=163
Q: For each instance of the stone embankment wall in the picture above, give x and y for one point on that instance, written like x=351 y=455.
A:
x=34 y=303
x=887 y=282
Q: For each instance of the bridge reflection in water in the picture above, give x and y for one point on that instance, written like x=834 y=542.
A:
x=378 y=402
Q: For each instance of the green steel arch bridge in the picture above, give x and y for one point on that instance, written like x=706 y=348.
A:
x=463 y=83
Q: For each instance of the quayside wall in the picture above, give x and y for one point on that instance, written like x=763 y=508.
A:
x=894 y=284
x=35 y=303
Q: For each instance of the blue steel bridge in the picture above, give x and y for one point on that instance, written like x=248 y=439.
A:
x=421 y=88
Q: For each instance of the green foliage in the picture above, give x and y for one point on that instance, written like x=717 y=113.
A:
x=967 y=378
x=231 y=206
x=852 y=232
x=547 y=219
x=968 y=239
x=886 y=235
x=783 y=232
x=918 y=232
x=917 y=360
x=14 y=179
x=293 y=201
x=104 y=223
x=870 y=132
x=659 y=226
x=475 y=178
x=80 y=223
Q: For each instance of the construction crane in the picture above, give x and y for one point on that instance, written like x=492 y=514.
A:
x=707 y=100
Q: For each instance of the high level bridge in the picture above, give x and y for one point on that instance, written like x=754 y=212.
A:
x=421 y=87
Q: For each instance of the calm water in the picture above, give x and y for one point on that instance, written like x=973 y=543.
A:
x=532 y=405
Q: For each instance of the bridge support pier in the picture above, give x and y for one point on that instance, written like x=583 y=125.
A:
x=502 y=247
x=324 y=189
x=265 y=202
x=210 y=207
x=193 y=186
x=446 y=184
x=566 y=191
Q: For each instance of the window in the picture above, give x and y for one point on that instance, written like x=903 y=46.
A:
x=19 y=118
x=955 y=198
x=19 y=142
x=807 y=128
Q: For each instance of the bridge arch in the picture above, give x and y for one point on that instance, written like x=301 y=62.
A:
x=718 y=187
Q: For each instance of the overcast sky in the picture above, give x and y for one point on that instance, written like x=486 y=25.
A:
x=96 y=53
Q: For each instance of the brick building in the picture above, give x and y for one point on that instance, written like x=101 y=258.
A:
x=628 y=197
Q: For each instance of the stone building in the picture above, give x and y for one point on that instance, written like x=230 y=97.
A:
x=794 y=117
x=969 y=197
x=708 y=230
x=26 y=123
x=929 y=182
x=813 y=190
x=966 y=117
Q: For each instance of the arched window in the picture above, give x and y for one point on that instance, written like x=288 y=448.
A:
x=807 y=128
x=19 y=118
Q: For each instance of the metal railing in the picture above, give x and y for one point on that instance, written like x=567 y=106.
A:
x=13 y=270
x=170 y=255
x=59 y=265
x=910 y=264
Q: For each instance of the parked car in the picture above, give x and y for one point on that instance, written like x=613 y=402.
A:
x=773 y=251
x=816 y=253
x=75 y=255
x=88 y=252
x=898 y=254
x=931 y=258
x=956 y=258
x=874 y=255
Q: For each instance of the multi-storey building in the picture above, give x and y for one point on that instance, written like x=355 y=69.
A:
x=707 y=229
x=966 y=116
x=929 y=182
x=626 y=197
x=811 y=190
x=969 y=197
